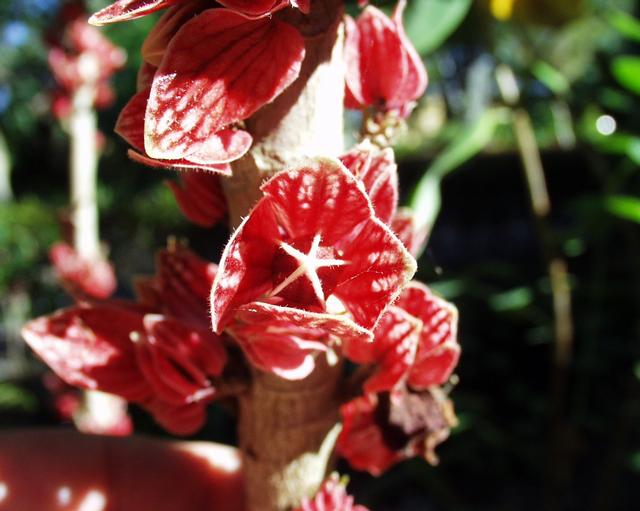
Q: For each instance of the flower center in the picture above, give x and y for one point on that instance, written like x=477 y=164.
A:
x=304 y=272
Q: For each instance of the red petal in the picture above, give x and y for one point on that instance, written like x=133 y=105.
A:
x=179 y=420
x=393 y=349
x=158 y=39
x=245 y=270
x=224 y=146
x=438 y=351
x=379 y=269
x=285 y=341
x=361 y=440
x=383 y=68
x=90 y=347
x=218 y=69
x=379 y=173
x=177 y=358
x=182 y=285
x=404 y=226
x=318 y=197
x=200 y=197
x=332 y=496
x=124 y=10
x=82 y=278
x=255 y=8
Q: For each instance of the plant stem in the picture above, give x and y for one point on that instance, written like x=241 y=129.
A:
x=287 y=429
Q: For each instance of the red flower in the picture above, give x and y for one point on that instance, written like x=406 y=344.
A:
x=377 y=170
x=189 y=117
x=379 y=430
x=200 y=197
x=159 y=354
x=415 y=342
x=383 y=68
x=80 y=277
x=218 y=69
x=311 y=253
x=332 y=496
x=438 y=349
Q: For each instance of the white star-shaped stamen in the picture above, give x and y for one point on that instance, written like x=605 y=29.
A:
x=309 y=264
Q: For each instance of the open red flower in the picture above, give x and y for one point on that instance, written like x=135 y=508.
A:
x=332 y=496
x=200 y=197
x=311 y=254
x=80 y=277
x=380 y=430
x=312 y=243
x=123 y=10
x=377 y=170
x=384 y=70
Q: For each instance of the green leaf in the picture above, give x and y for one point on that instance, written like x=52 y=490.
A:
x=625 y=24
x=626 y=69
x=468 y=142
x=555 y=81
x=430 y=22
x=512 y=300
x=624 y=206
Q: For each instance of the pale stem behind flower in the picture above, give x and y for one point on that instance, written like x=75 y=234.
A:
x=103 y=410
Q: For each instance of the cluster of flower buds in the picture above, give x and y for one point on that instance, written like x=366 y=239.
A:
x=321 y=266
x=78 y=54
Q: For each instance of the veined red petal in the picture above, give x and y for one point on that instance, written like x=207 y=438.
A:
x=224 y=146
x=158 y=39
x=218 y=69
x=285 y=341
x=383 y=68
x=177 y=359
x=184 y=283
x=123 y=10
x=378 y=171
x=393 y=349
x=318 y=197
x=90 y=347
x=245 y=270
x=200 y=198
x=379 y=269
x=438 y=351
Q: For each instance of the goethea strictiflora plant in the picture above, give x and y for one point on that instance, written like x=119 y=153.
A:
x=317 y=273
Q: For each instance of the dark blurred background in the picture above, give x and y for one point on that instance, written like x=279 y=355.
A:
x=549 y=381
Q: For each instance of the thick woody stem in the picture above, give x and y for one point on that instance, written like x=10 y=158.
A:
x=287 y=429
